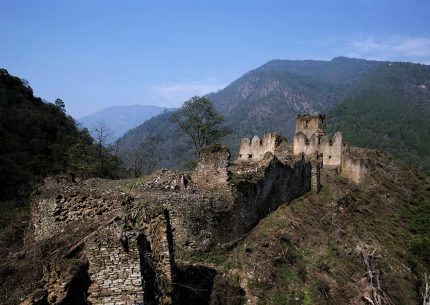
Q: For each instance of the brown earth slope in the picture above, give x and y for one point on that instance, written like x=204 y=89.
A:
x=348 y=244
x=322 y=248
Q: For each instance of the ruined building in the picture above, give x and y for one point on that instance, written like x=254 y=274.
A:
x=256 y=148
x=311 y=138
x=136 y=235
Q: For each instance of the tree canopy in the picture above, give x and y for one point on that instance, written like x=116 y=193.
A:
x=199 y=121
x=38 y=138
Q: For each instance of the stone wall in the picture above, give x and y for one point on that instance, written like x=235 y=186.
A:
x=316 y=174
x=59 y=202
x=355 y=169
x=310 y=124
x=129 y=248
x=255 y=149
x=205 y=215
x=332 y=150
x=211 y=170
x=260 y=192
x=157 y=260
x=310 y=138
x=330 y=147
x=114 y=269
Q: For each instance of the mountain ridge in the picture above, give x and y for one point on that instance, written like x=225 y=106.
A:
x=121 y=118
x=269 y=97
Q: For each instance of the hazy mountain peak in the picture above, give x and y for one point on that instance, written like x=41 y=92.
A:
x=122 y=118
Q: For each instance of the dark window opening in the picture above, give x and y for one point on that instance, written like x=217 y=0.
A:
x=249 y=156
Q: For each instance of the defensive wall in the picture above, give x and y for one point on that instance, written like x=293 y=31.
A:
x=130 y=254
x=310 y=138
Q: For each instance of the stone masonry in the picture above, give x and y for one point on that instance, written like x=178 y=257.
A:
x=211 y=170
x=310 y=139
x=255 y=149
x=131 y=240
x=114 y=269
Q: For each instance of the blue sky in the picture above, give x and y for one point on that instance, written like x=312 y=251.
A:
x=95 y=54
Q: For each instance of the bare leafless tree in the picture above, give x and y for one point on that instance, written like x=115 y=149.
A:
x=102 y=134
x=144 y=159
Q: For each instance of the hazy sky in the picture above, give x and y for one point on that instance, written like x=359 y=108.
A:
x=95 y=54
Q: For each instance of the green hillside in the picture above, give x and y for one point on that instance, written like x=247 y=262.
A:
x=390 y=113
x=37 y=139
x=376 y=104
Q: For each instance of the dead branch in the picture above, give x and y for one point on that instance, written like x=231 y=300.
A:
x=426 y=292
x=83 y=240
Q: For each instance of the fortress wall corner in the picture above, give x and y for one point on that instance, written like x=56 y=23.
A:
x=354 y=169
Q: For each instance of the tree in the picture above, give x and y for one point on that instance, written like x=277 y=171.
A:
x=82 y=156
x=143 y=160
x=102 y=135
x=198 y=120
x=60 y=104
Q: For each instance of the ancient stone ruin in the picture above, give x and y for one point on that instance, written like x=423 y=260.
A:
x=129 y=254
x=136 y=235
x=254 y=150
x=311 y=138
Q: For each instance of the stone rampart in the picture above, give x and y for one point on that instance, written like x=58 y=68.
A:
x=256 y=148
x=355 y=169
x=130 y=257
x=310 y=124
x=211 y=170
x=332 y=149
x=310 y=139
x=263 y=189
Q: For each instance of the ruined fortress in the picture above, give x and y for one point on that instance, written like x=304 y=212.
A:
x=135 y=237
x=310 y=140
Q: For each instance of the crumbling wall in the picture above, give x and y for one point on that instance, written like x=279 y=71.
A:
x=59 y=202
x=116 y=250
x=332 y=150
x=305 y=145
x=157 y=260
x=114 y=268
x=355 y=169
x=330 y=147
x=255 y=149
x=316 y=174
x=211 y=170
x=310 y=124
x=261 y=191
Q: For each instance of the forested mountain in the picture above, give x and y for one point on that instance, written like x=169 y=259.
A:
x=38 y=138
x=376 y=104
x=390 y=112
x=120 y=118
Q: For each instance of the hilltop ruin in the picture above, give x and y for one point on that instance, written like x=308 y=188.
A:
x=310 y=140
x=130 y=249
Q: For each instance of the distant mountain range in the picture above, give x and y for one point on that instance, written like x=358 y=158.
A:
x=120 y=118
x=376 y=104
